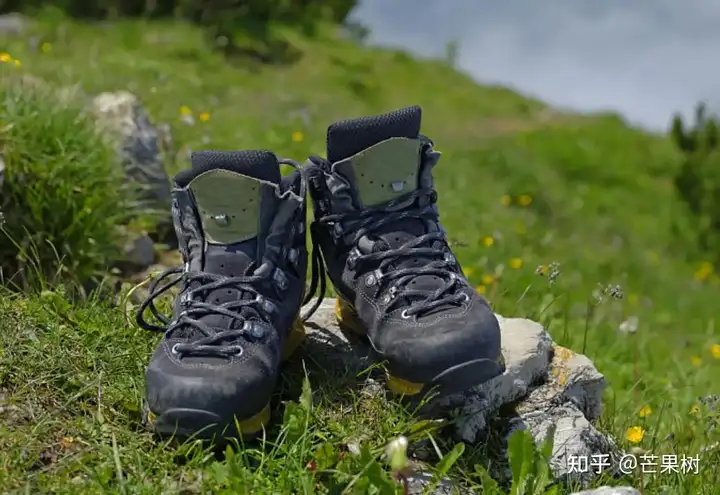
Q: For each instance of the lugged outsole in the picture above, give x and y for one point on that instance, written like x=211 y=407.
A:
x=451 y=381
x=197 y=423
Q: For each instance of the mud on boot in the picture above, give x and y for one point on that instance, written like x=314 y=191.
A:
x=376 y=225
x=240 y=229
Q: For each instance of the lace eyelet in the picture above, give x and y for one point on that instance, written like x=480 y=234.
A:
x=257 y=331
x=404 y=315
x=238 y=352
x=466 y=297
x=280 y=279
x=370 y=280
x=174 y=350
x=293 y=256
x=268 y=306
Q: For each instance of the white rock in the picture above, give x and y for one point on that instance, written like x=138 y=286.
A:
x=610 y=490
x=140 y=251
x=13 y=24
x=121 y=117
x=527 y=349
x=418 y=483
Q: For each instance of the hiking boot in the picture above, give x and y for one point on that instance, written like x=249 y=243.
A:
x=241 y=232
x=398 y=282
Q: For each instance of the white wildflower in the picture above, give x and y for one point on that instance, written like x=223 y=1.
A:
x=630 y=325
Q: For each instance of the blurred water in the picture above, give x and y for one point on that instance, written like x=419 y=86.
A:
x=645 y=58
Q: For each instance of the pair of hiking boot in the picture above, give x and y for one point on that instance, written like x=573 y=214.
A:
x=241 y=229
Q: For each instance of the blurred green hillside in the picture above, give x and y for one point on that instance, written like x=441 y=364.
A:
x=521 y=186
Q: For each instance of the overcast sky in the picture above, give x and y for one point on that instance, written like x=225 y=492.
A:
x=645 y=58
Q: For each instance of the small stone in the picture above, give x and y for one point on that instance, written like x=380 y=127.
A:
x=419 y=482
x=609 y=490
x=127 y=125
x=140 y=252
x=12 y=24
x=353 y=448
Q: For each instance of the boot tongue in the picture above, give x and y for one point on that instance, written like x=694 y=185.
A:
x=234 y=199
x=381 y=158
x=234 y=212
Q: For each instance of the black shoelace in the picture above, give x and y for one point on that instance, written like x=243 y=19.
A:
x=248 y=311
x=393 y=279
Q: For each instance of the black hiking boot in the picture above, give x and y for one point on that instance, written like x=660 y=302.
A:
x=241 y=232
x=377 y=227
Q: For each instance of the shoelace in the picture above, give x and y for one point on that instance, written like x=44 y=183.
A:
x=441 y=262
x=248 y=311
x=253 y=312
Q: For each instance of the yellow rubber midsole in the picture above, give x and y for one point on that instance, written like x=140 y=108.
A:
x=255 y=423
x=347 y=317
x=294 y=339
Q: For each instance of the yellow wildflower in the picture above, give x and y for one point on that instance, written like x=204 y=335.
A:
x=524 y=200
x=703 y=273
x=297 y=136
x=5 y=57
x=488 y=241
x=481 y=289
x=17 y=63
x=696 y=360
x=185 y=110
x=516 y=263
x=204 y=117
x=46 y=47
x=645 y=411
x=715 y=351
x=506 y=200
x=67 y=442
x=467 y=272
x=695 y=409
x=488 y=279
x=635 y=434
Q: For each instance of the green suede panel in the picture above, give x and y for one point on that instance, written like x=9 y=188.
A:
x=229 y=205
x=386 y=170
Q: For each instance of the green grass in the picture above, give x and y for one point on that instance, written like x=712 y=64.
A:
x=602 y=206
x=62 y=195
